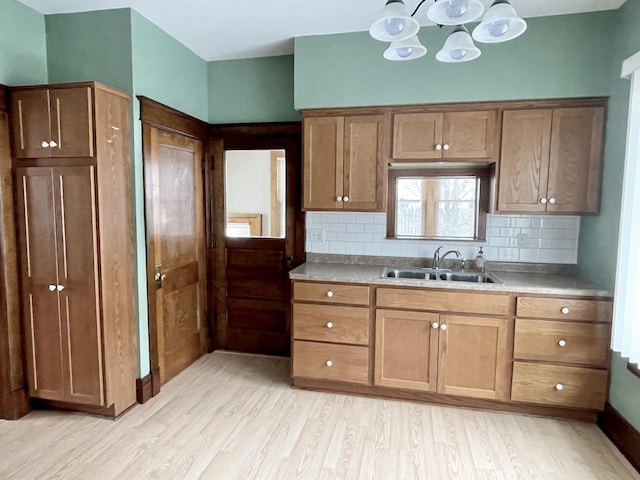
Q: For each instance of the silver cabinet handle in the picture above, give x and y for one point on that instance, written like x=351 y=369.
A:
x=60 y=288
x=435 y=325
x=564 y=310
x=45 y=144
x=543 y=200
x=562 y=343
x=329 y=325
x=53 y=144
x=52 y=288
x=446 y=146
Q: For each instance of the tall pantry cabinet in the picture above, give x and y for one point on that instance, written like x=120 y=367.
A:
x=73 y=200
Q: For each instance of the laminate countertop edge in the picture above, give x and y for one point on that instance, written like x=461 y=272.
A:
x=512 y=282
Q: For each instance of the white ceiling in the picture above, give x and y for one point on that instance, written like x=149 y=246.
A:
x=229 y=29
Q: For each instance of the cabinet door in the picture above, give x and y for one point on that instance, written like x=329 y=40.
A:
x=77 y=277
x=575 y=163
x=524 y=160
x=473 y=356
x=364 y=163
x=469 y=135
x=406 y=350
x=71 y=122
x=40 y=309
x=31 y=123
x=417 y=135
x=323 y=163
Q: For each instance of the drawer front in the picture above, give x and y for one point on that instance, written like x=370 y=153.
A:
x=331 y=362
x=443 y=301
x=331 y=293
x=575 y=387
x=330 y=323
x=565 y=309
x=563 y=342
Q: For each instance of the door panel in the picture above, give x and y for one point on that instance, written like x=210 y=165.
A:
x=71 y=122
x=415 y=135
x=31 y=107
x=178 y=231
x=323 y=162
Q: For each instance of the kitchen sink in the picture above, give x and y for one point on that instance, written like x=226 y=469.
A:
x=438 y=275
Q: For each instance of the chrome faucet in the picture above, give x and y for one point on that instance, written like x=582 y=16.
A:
x=437 y=257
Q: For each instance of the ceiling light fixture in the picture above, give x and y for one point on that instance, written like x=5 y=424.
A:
x=396 y=25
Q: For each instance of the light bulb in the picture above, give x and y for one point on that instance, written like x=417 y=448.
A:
x=458 y=53
x=457 y=8
x=498 y=28
x=394 y=26
x=404 y=52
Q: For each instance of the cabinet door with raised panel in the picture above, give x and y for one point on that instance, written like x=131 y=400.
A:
x=71 y=122
x=364 y=163
x=575 y=163
x=473 y=356
x=417 y=135
x=31 y=123
x=524 y=160
x=469 y=135
x=406 y=352
x=323 y=163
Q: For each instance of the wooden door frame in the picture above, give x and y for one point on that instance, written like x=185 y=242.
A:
x=162 y=117
x=13 y=394
x=249 y=135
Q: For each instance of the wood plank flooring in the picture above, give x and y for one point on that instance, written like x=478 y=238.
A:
x=232 y=416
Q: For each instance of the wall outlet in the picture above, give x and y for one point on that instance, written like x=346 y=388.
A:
x=316 y=235
x=522 y=240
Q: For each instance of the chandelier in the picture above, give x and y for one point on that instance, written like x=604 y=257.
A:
x=397 y=26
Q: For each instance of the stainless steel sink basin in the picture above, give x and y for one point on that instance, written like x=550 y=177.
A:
x=438 y=275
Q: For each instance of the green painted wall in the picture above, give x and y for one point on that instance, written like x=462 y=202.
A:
x=90 y=46
x=252 y=90
x=23 y=50
x=557 y=57
x=599 y=234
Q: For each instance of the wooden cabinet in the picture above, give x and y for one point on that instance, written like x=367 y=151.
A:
x=561 y=352
x=551 y=160
x=344 y=163
x=76 y=256
x=445 y=135
x=451 y=354
x=52 y=122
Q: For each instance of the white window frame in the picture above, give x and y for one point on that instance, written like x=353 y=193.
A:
x=626 y=313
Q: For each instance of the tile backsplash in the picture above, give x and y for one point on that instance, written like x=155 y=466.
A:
x=510 y=238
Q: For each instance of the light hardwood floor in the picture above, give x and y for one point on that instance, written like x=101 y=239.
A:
x=233 y=416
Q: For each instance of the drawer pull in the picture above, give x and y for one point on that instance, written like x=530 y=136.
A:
x=338 y=198
x=329 y=363
x=435 y=325
x=52 y=288
x=45 y=144
x=443 y=327
x=329 y=325
x=562 y=343
x=559 y=387
x=329 y=294
x=564 y=310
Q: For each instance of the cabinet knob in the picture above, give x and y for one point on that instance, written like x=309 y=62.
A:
x=45 y=144
x=329 y=363
x=52 y=288
x=329 y=325
x=60 y=288
x=443 y=327
x=446 y=146
x=329 y=294
x=345 y=199
x=338 y=198
x=559 y=386
x=562 y=343
x=552 y=200
x=543 y=200
x=438 y=147
x=564 y=310
x=435 y=325
x=53 y=144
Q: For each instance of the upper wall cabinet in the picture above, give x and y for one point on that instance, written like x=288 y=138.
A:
x=551 y=160
x=445 y=135
x=344 y=163
x=52 y=122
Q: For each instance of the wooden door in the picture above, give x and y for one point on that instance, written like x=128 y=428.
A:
x=406 y=354
x=40 y=306
x=469 y=135
x=575 y=163
x=473 y=356
x=365 y=172
x=524 y=160
x=31 y=122
x=71 y=122
x=323 y=167
x=415 y=136
x=175 y=248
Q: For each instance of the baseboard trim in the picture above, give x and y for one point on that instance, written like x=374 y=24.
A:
x=144 y=389
x=622 y=434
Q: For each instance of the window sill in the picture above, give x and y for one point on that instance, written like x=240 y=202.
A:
x=634 y=368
